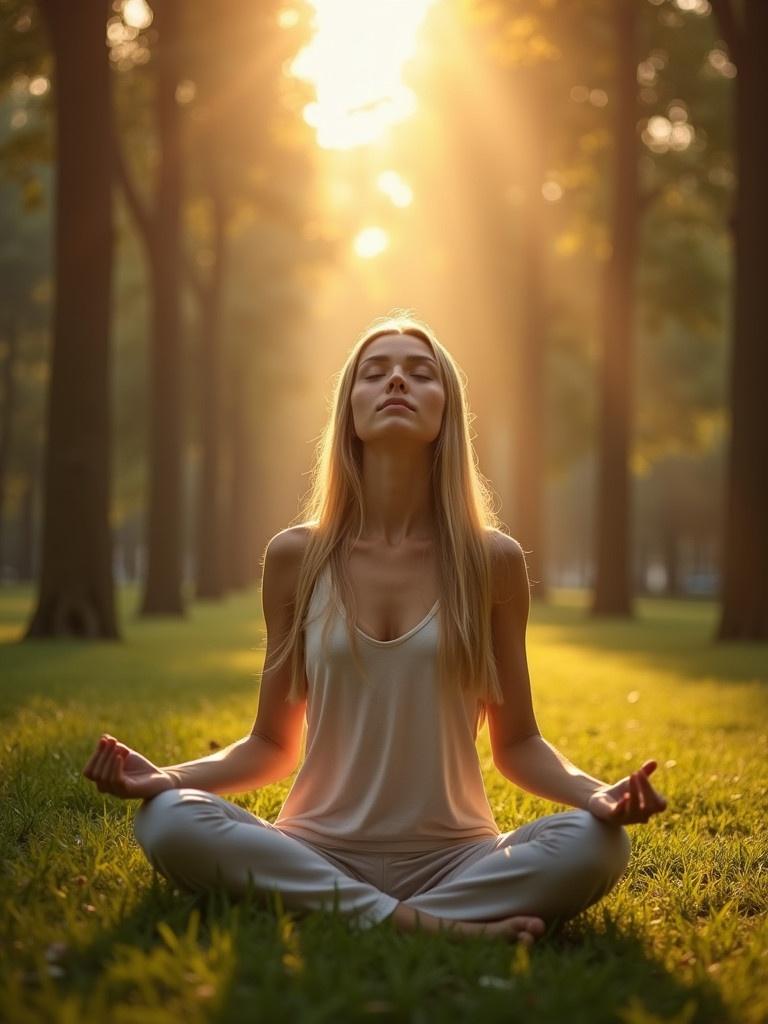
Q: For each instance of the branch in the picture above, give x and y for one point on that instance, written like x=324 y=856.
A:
x=725 y=12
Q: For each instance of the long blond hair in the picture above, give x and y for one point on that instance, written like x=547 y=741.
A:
x=464 y=517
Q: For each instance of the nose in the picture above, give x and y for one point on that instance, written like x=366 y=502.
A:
x=396 y=379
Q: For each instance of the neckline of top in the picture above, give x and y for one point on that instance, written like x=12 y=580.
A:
x=372 y=639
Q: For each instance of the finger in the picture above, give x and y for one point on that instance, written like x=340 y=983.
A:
x=620 y=810
x=88 y=770
x=113 y=768
x=653 y=801
x=641 y=781
x=634 y=795
x=101 y=759
x=108 y=770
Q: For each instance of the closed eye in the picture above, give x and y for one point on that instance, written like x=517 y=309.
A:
x=419 y=376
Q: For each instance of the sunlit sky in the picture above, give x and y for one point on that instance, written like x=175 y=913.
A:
x=355 y=61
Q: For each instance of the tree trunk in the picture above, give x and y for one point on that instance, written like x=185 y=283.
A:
x=242 y=513
x=671 y=549
x=744 y=614
x=612 y=595
x=26 y=548
x=528 y=413
x=210 y=544
x=163 y=585
x=76 y=592
x=7 y=410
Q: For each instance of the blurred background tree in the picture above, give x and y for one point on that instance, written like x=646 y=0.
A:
x=549 y=184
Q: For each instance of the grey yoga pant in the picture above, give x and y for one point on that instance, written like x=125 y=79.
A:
x=553 y=867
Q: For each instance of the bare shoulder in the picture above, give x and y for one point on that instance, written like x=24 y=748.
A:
x=508 y=568
x=282 y=561
x=289 y=545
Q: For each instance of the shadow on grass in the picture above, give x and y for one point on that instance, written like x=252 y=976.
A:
x=252 y=960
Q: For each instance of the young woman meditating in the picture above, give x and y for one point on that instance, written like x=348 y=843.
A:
x=396 y=618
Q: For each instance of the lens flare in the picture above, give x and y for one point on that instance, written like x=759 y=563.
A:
x=355 y=62
x=370 y=242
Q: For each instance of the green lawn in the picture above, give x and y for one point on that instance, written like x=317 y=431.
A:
x=87 y=935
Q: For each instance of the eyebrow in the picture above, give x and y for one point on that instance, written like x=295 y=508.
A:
x=409 y=359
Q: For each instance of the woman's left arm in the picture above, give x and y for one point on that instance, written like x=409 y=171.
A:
x=520 y=752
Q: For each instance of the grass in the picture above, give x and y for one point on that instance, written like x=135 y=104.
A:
x=89 y=935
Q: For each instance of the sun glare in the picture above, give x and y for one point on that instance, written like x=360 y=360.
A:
x=371 y=242
x=355 y=62
x=395 y=188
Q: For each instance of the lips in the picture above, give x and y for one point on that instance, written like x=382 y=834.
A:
x=397 y=401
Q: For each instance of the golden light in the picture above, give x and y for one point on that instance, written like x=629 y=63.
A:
x=673 y=132
x=395 y=188
x=355 y=62
x=552 y=191
x=288 y=17
x=370 y=242
x=137 y=14
x=39 y=86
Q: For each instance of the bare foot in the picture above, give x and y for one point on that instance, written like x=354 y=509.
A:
x=518 y=929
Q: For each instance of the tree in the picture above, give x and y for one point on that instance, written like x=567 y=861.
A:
x=744 y=614
x=613 y=584
x=76 y=591
x=159 y=224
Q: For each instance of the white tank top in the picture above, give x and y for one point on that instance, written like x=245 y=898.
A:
x=390 y=762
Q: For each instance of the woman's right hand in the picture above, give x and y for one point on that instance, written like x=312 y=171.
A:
x=123 y=772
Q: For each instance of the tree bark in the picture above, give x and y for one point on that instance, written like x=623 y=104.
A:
x=744 y=613
x=612 y=594
x=240 y=480
x=529 y=417
x=26 y=549
x=210 y=542
x=7 y=411
x=76 y=590
x=163 y=584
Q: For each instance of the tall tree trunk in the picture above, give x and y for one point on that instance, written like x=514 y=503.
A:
x=612 y=595
x=26 y=547
x=76 y=592
x=163 y=584
x=7 y=411
x=528 y=413
x=210 y=544
x=240 y=489
x=671 y=550
x=744 y=614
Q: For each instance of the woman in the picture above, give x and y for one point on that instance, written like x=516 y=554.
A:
x=396 y=618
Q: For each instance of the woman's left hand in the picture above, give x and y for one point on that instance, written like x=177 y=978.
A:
x=629 y=801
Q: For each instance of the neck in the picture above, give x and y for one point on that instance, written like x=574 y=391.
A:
x=397 y=494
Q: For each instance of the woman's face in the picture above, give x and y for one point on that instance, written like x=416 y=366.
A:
x=400 y=367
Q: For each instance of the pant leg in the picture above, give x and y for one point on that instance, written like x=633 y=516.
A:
x=552 y=868
x=198 y=840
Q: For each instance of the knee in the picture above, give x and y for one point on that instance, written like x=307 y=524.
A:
x=159 y=822
x=605 y=848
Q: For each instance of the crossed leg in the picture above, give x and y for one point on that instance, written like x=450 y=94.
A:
x=198 y=840
x=551 y=868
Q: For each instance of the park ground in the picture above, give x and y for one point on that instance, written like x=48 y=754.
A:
x=89 y=935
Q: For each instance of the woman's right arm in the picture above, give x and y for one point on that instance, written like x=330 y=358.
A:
x=272 y=749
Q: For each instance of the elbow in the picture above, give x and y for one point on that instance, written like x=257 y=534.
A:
x=282 y=760
x=504 y=759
